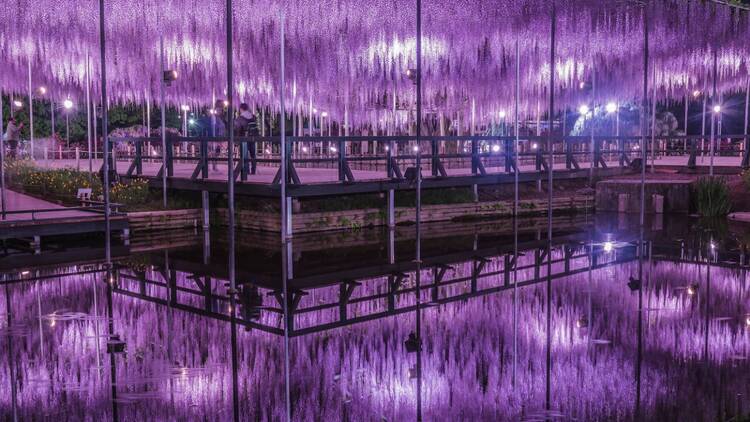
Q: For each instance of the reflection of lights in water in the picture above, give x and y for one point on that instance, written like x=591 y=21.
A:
x=304 y=149
x=582 y=322
x=692 y=289
x=415 y=149
x=52 y=322
x=25 y=273
x=333 y=149
x=534 y=146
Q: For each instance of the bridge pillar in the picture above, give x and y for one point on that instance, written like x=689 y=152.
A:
x=206 y=209
x=391 y=209
x=292 y=205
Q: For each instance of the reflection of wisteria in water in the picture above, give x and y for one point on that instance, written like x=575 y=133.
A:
x=178 y=364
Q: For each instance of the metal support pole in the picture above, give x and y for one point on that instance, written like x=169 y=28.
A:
x=418 y=254
x=31 y=115
x=105 y=135
x=2 y=161
x=746 y=146
x=687 y=105
x=230 y=146
x=285 y=222
x=164 y=154
x=550 y=138
x=653 y=124
x=206 y=210
x=52 y=114
x=713 y=114
x=88 y=114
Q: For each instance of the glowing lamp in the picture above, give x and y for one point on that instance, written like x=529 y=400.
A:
x=17 y=103
x=324 y=114
x=333 y=149
x=191 y=121
x=42 y=90
x=25 y=273
x=582 y=85
x=584 y=110
x=496 y=148
x=68 y=104
x=502 y=114
x=415 y=148
x=534 y=146
x=184 y=107
x=692 y=289
x=717 y=109
x=315 y=111
x=170 y=76
x=696 y=93
x=611 y=107
x=304 y=149
x=226 y=103
x=608 y=246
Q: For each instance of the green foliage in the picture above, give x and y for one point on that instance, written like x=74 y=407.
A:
x=119 y=116
x=711 y=197
x=63 y=184
x=134 y=193
x=60 y=183
x=746 y=178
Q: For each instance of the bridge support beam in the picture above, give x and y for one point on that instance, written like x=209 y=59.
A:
x=206 y=210
x=390 y=209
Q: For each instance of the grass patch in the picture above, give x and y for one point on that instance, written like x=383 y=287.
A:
x=711 y=197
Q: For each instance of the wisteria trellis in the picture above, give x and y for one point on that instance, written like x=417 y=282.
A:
x=346 y=54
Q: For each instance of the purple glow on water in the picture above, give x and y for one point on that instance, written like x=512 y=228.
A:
x=179 y=364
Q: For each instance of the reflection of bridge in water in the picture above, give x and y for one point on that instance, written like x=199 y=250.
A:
x=342 y=290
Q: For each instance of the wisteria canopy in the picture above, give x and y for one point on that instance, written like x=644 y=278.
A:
x=346 y=54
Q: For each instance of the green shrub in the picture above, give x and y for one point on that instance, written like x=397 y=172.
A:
x=711 y=196
x=746 y=178
x=133 y=193
x=64 y=183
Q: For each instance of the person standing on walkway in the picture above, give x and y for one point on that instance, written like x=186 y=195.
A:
x=220 y=119
x=13 y=136
x=247 y=125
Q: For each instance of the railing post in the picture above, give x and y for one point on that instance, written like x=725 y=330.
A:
x=434 y=157
x=746 y=153
x=509 y=153
x=389 y=159
x=243 y=160
x=621 y=150
x=170 y=158
x=78 y=159
x=538 y=158
x=204 y=157
x=474 y=157
x=139 y=157
x=597 y=152
x=693 y=154
x=341 y=157
x=568 y=154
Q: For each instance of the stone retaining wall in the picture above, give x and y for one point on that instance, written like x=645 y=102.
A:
x=352 y=219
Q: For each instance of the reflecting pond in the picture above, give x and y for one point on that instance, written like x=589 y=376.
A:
x=601 y=322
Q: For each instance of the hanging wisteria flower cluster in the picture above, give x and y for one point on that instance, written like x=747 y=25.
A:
x=346 y=56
